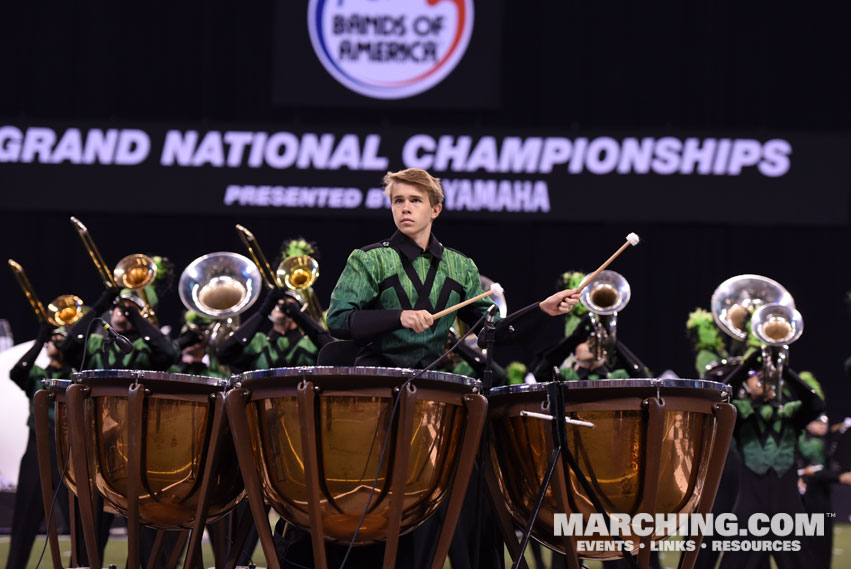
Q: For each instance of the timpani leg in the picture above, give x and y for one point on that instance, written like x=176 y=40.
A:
x=217 y=409
x=502 y=517
x=655 y=433
x=42 y=401
x=235 y=403
x=76 y=395
x=725 y=415
x=307 y=417
x=477 y=408
x=135 y=432
x=400 y=472
x=182 y=538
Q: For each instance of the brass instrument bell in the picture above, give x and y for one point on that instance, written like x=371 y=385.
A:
x=65 y=310
x=219 y=285
x=736 y=299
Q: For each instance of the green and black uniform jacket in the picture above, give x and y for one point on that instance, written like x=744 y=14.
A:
x=266 y=351
x=153 y=350
x=767 y=433
x=253 y=346
x=28 y=376
x=383 y=279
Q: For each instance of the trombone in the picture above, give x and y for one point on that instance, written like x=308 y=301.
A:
x=296 y=273
x=133 y=272
x=63 y=310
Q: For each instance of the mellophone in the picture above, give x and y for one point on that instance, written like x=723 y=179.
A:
x=365 y=455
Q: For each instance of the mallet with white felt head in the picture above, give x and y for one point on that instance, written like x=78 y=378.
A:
x=495 y=289
x=631 y=239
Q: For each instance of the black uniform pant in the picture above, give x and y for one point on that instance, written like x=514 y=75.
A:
x=768 y=494
x=29 y=509
x=725 y=502
x=817 y=501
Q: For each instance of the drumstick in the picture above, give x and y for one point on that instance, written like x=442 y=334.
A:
x=494 y=289
x=631 y=239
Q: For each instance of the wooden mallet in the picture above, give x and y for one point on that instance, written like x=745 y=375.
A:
x=631 y=239
x=495 y=288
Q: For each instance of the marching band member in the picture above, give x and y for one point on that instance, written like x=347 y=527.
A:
x=819 y=471
x=384 y=301
x=575 y=356
x=29 y=512
x=293 y=340
x=152 y=349
x=193 y=347
x=385 y=297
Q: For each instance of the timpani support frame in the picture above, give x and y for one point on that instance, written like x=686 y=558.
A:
x=237 y=400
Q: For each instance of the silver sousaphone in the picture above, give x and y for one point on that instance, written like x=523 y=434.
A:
x=776 y=326
x=220 y=286
x=604 y=297
x=764 y=306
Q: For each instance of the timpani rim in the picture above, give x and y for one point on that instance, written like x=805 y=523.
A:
x=358 y=371
x=648 y=383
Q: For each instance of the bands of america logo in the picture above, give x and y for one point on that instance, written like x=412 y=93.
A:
x=390 y=49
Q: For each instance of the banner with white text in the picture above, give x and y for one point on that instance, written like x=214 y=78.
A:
x=663 y=177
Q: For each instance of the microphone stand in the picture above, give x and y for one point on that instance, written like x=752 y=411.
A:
x=486 y=337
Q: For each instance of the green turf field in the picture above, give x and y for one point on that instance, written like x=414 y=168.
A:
x=116 y=551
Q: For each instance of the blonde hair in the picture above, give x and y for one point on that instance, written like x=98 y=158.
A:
x=416 y=177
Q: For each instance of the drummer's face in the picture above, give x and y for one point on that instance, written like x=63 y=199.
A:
x=412 y=211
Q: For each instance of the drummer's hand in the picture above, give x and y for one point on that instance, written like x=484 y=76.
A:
x=416 y=320
x=845 y=478
x=560 y=303
x=809 y=471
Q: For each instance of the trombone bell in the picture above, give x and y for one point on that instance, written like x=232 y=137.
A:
x=65 y=310
x=298 y=272
x=135 y=271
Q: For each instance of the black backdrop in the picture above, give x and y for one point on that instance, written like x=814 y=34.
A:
x=719 y=65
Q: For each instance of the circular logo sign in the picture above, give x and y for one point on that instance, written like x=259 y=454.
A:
x=390 y=49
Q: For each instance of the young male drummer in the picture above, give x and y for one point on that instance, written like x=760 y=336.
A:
x=388 y=291
x=384 y=301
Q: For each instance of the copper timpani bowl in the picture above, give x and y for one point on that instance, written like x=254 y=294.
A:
x=351 y=422
x=176 y=429
x=613 y=454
